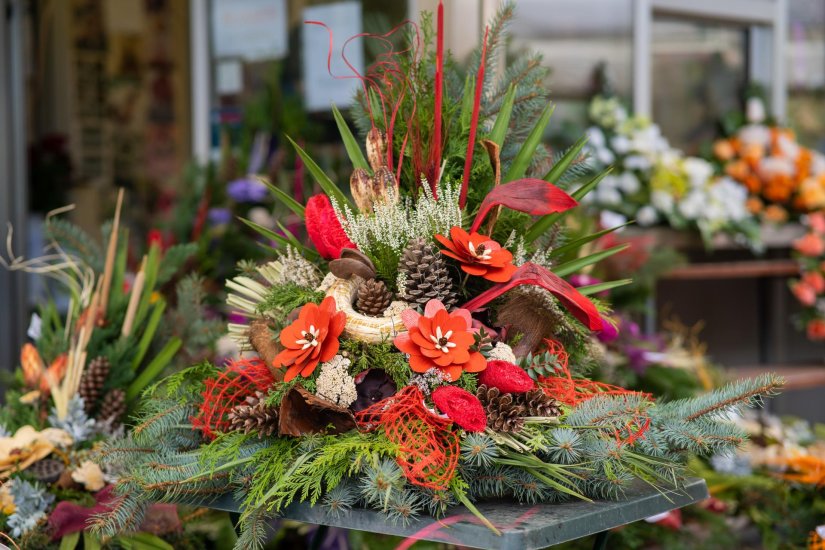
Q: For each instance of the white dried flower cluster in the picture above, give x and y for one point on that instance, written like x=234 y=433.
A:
x=429 y=380
x=502 y=352
x=297 y=269
x=395 y=308
x=395 y=223
x=335 y=384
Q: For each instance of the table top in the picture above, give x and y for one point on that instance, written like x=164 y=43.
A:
x=523 y=527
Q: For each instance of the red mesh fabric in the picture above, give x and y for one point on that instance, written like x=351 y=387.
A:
x=241 y=379
x=572 y=391
x=428 y=448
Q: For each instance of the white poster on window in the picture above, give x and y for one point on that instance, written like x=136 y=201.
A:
x=321 y=88
x=253 y=30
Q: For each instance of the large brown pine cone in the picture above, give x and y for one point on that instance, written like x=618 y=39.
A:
x=91 y=384
x=425 y=275
x=255 y=415
x=504 y=412
x=113 y=406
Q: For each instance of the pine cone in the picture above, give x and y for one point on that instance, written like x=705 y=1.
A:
x=504 y=412
x=373 y=298
x=538 y=403
x=91 y=384
x=425 y=275
x=256 y=415
x=113 y=406
x=47 y=470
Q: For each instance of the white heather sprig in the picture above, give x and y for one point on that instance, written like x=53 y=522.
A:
x=335 y=384
x=297 y=269
x=394 y=223
x=429 y=380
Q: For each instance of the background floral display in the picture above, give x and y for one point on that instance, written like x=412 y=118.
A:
x=654 y=183
x=809 y=288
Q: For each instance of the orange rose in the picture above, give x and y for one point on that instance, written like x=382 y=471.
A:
x=440 y=340
x=479 y=255
x=810 y=245
x=311 y=339
x=816 y=329
x=805 y=293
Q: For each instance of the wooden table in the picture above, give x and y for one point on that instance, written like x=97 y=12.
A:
x=523 y=527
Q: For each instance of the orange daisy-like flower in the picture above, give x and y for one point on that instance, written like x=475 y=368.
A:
x=311 y=339
x=479 y=255
x=440 y=340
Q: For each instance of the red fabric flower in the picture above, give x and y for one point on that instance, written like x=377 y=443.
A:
x=324 y=228
x=440 y=340
x=506 y=376
x=479 y=255
x=461 y=407
x=311 y=339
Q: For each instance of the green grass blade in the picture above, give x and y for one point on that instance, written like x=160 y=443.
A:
x=356 y=156
x=546 y=222
x=525 y=155
x=580 y=242
x=151 y=277
x=283 y=197
x=579 y=263
x=120 y=263
x=148 y=333
x=565 y=161
x=601 y=287
x=321 y=177
x=502 y=123
x=273 y=236
x=154 y=368
x=69 y=542
x=462 y=497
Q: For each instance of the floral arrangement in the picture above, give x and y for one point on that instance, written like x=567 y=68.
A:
x=654 y=183
x=424 y=349
x=81 y=374
x=809 y=287
x=782 y=178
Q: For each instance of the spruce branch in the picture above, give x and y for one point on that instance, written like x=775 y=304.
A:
x=724 y=400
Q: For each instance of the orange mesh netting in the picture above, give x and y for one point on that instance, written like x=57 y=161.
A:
x=428 y=449
x=572 y=391
x=241 y=379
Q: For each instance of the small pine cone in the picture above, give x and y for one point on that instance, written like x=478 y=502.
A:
x=91 y=384
x=254 y=415
x=425 y=275
x=373 y=298
x=538 y=403
x=47 y=470
x=504 y=412
x=113 y=406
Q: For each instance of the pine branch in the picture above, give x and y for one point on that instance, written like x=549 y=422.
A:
x=724 y=400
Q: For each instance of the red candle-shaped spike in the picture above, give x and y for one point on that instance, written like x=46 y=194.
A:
x=468 y=159
x=435 y=160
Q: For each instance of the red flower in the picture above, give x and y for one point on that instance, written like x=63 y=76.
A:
x=324 y=228
x=479 y=255
x=506 y=376
x=811 y=245
x=815 y=279
x=440 y=340
x=461 y=407
x=311 y=339
x=816 y=329
x=804 y=292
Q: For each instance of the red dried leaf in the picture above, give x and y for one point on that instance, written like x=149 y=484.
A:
x=532 y=274
x=533 y=196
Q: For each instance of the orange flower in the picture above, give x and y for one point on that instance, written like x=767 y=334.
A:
x=816 y=329
x=723 y=149
x=754 y=205
x=440 y=340
x=810 y=245
x=775 y=213
x=479 y=255
x=311 y=339
x=805 y=293
x=817 y=222
x=815 y=279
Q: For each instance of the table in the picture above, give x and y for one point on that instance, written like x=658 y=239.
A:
x=523 y=527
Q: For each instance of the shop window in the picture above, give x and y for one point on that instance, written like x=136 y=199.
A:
x=805 y=58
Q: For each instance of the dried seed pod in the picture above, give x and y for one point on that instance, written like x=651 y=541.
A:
x=376 y=148
x=360 y=184
x=384 y=181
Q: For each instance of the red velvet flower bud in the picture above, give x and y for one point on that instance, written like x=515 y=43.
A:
x=507 y=377
x=461 y=407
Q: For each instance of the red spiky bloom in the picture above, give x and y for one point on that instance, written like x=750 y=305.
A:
x=506 y=376
x=324 y=228
x=241 y=379
x=311 y=339
x=479 y=255
x=461 y=407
